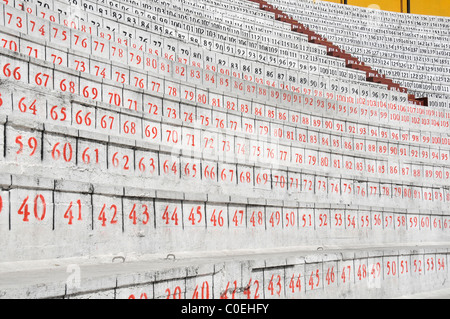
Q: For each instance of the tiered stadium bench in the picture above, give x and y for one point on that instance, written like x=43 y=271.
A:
x=126 y=142
x=295 y=199
x=253 y=147
x=379 y=273
x=412 y=49
x=425 y=153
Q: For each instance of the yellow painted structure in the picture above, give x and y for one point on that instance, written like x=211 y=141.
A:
x=426 y=7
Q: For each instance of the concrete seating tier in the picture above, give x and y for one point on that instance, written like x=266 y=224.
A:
x=211 y=150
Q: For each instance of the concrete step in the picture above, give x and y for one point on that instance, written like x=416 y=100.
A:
x=435 y=294
x=330 y=272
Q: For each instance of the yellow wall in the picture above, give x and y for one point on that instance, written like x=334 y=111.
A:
x=387 y=5
x=431 y=7
x=427 y=7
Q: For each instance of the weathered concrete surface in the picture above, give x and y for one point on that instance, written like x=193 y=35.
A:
x=437 y=294
x=329 y=273
x=113 y=189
